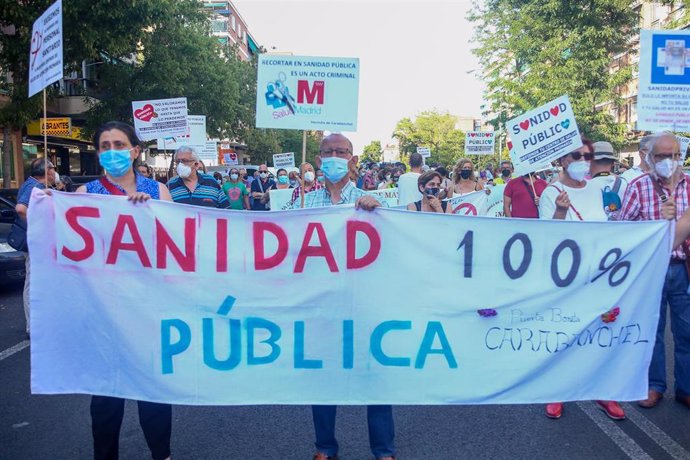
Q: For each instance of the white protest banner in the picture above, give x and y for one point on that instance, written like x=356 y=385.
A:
x=424 y=151
x=46 y=52
x=684 y=143
x=160 y=118
x=307 y=92
x=494 y=202
x=543 y=134
x=663 y=101
x=280 y=198
x=389 y=195
x=288 y=308
x=284 y=160
x=469 y=204
x=209 y=152
x=479 y=143
x=195 y=136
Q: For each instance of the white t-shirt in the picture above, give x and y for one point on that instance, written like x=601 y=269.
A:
x=587 y=201
x=603 y=181
x=408 y=192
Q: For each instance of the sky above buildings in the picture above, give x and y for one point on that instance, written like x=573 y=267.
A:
x=414 y=55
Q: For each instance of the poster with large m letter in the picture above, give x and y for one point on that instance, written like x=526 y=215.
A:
x=306 y=92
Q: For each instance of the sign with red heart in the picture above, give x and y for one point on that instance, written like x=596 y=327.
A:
x=479 y=143
x=160 y=118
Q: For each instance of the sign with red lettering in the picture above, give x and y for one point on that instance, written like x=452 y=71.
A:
x=175 y=303
x=307 y=92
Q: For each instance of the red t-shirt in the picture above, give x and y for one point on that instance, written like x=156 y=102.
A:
x=519 y=191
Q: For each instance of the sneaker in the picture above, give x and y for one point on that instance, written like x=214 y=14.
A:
x=653 y=398
x=554 y=410
x=612 y=409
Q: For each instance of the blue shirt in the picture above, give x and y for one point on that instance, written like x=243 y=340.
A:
x=207 y=192
x=322 y=197
x=261 y=187
x=144 y=185
x=24 y=193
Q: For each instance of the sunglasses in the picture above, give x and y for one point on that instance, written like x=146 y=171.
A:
x=577 y=155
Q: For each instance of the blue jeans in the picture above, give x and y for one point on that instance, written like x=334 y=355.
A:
x=381 y=430
x=675 y=294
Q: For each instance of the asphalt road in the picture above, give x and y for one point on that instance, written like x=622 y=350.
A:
x=58 y=427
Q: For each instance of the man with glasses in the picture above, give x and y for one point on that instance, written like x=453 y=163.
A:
x=38 y=178
x=335 y=160
x=665 y=182
x=191 y=186
x=260 y=188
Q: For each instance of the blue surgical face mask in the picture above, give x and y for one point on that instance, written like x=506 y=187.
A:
x=115 y=162
x=283 y=179
x=334 y=168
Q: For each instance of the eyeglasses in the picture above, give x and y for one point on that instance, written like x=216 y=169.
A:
x=187 y=162
x=339 y=152
x=665 y=155
x=577 y=155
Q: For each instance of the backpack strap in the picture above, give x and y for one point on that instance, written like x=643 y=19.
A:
x=110 y=187
x=617 y=185
x=577 y=213
x=418 y=205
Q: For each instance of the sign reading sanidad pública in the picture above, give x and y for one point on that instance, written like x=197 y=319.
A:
x=479 y=143
x=307 y=92
x=663 y=102
x=543 y=134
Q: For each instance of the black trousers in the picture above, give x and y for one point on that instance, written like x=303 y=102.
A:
x=106 y=418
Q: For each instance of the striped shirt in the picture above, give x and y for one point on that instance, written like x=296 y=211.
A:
x=322 y=197
x=641 y=202
x=207 y=192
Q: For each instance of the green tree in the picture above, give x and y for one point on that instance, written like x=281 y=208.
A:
x=372 y=152
x=434 y=130
x=532 y=51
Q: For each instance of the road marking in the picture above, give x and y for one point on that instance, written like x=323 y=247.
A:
x=14 y=349
x=617 y=435
x=658 y=435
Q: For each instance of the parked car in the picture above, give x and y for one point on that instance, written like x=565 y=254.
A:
x=12 y=262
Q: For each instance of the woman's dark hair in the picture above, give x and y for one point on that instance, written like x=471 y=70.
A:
x=281 y=169
x=124 y=127
x=67 y=181
x=442 y=171
x=427 y=176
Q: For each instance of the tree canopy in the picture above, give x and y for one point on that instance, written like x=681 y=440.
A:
x=434 y=130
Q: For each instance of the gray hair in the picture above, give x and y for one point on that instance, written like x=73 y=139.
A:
x=185 y=149
x=651 y=144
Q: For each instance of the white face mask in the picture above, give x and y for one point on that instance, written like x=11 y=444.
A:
x=577 y=170
x=263 y=175
x=184 y=171
x=57 y=177
x=234 y=176
x=665 y=168
x=309 y=176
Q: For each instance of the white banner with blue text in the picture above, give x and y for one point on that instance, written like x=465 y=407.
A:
x=191 y=305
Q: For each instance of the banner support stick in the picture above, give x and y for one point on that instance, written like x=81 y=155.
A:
x=301 y=172
x=45 y=137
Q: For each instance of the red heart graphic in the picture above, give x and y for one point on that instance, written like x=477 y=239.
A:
x=524 y=125
x=510 y=145
x=473 y=134
x=554 y=111
x=145 y=113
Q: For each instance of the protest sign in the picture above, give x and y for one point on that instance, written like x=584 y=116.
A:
x=325 y=332
x=307 y=92
x=479 y=143
x=160 y=118
x=469 y=204
x=543 y=134
x=46 y=55
x=284 y=160
x=424 y=151
x=494 y=202
x=195 y=136
x=209 y=152
x=684 y=143
x=280 y=198
x=389 y=195
x=663 y=100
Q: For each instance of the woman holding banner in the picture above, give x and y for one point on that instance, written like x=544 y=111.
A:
x=573 y=198
x=118 y=146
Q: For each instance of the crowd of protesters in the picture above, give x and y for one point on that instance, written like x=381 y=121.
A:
x=586 y=184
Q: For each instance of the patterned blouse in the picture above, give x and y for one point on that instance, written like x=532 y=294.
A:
x=144 y=185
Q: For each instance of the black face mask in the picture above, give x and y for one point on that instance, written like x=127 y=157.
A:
x=432 y=191
x=505 y=172
x=465 y=173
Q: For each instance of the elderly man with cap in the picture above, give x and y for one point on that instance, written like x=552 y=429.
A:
x=336 y=160
x=646 y=196
x=612 y=186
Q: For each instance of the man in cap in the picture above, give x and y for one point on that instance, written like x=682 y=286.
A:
x=612 y=186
